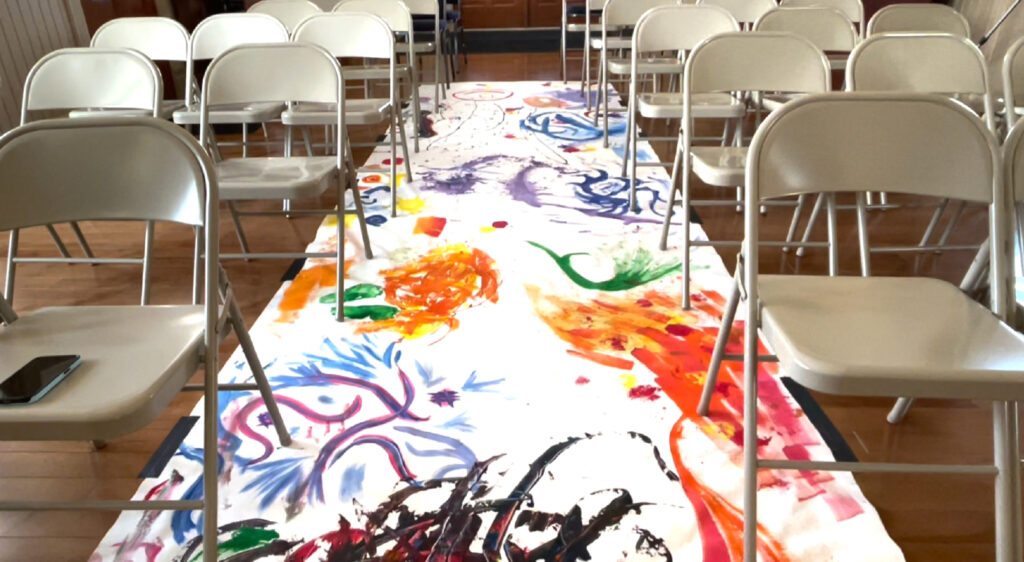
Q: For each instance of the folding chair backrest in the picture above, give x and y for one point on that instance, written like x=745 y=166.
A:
x=102 y=168
x=757 y=61
x=289 y=12
x=274 y=72
x=919 y=144
x=220 y=32
x=680 y=27
x=828 y=28
x=918 y=18
x=325 y=5
x=626 y=12
x=852 y=9
x=745 y=11
x=353 y=34
x=157 y=38
x=92 y=78
x=394 y=12
x=1013 y=80
x=1013 y=160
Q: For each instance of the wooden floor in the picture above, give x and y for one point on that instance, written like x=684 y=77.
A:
x=932 y=518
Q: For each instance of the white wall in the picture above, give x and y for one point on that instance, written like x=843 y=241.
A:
x=28 y=30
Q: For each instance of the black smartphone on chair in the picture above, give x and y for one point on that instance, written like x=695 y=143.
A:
x=37 y=377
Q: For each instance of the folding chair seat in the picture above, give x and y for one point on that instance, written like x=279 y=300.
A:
x=73 y=169
x=284 y=73
x=883 y=337
x=160 y=39
x=758 y=63
x=919 y=18
x=675 y=28
x=396 y=15
x=364 y=35
x=215 y=35
x=288 y=12
x=114 y=80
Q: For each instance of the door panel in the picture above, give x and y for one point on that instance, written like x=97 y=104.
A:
x=482 y=14
x=545 y=13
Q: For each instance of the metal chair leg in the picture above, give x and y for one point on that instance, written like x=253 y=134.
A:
x=238 y=227
x=666 y=225
x=12 y=250
x=82 y=243
x=711 y=379
x=147 y=260
x=899 y=410
x=57 y=241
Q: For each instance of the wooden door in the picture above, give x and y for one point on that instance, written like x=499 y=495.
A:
x=484 y=14
x=545 y=13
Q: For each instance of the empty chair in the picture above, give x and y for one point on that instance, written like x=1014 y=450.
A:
x=828 y=28
x=213 y=36
x=397 y=16
x=757 y=62
x=289 y=12
x=678 y=28
x=619 y=14
x=592 y=9
x=745 y=11
x=573 y=15
x=88 y=79
x=430 y=8
x=1013 y=82
x=918 y=18
x=852 y=9
x=284 y=73
x=884 y=336
x=356 y=34
x=135 y=359
x=160 y=39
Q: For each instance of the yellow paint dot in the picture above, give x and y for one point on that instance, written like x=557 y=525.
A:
x=412 y=206
x=628 y=380
x=329 y=221
x=487 y=229
x=349 y=220
x=719 y=429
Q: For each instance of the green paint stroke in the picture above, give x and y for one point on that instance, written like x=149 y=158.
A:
x=242 y=540
x=354 y=293
x=373 y=312
x=630 y=271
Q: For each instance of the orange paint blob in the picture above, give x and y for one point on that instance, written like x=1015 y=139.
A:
x=304 y=288
x=431 y=226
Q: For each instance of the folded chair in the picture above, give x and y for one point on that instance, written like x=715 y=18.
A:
x=396 y=14
x=121 y=80
x=852 y=9
x=679 y=28
x=289 y=12
x=364 y=35
x=918 y=18
x=927 y=63
x=753 y=62
x=877 y=336
x=135 y=359
x=285 y=73
x=160 y=39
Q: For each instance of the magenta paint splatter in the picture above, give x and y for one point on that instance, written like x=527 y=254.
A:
x=446 y=397
x=499 y=224
x=644 y=303
x=570 y=149
x=680 y=330
x=582 y=381
x=644 y=392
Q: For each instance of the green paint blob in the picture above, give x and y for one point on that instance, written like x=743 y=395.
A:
x=242 y=540
x=373 y=312
x=630 y=271
x=354 y=293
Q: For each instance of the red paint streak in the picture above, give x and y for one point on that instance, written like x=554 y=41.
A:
x=570 y=149
x=431 y=226
x=509 y=136
x=372 y=178
x=335 y=542
x=645 y=303
x=398 y=161
x=644 y=392
x=499 y=224
x=579 y=380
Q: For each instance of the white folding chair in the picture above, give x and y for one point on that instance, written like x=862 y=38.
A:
x=284 y=73
x=430 y=8
x=620 y=15
x=210 y=38
x=1013 y=82
x=356 y=34
x=937 y=63
x=396 y=14
x=135 y=359
x=754 y=62
x=122 y=80
x=746 y=12
x=883 y=336
x=918 y=18
x=679 y=28
x=289 y=12
x=591 y=9
x=828 y=28
x=852 y=9
x=573 y=15
x=160 y=39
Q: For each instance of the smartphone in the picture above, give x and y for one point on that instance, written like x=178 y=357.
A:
x=36 y=378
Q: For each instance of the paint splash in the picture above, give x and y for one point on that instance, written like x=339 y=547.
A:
x=631 y=270
x=431 y=226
